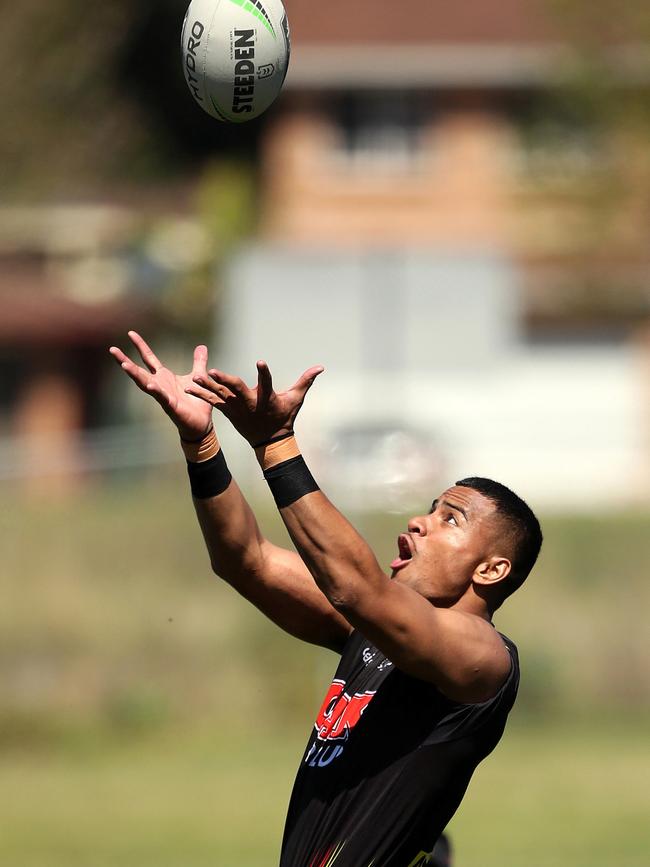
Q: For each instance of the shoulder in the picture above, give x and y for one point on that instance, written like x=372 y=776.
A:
x=513 y=654
x=482 y=663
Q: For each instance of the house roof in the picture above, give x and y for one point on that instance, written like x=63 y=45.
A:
x=424 y=43
x=34 y=313
x=423 y=22
x=463 y=43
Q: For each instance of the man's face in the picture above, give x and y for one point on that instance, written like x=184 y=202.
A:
x=441 y=550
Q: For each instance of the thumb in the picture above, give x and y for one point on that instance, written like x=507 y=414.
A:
x=264 y=383
x=305 y=382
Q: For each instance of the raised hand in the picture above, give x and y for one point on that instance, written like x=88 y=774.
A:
x=258 y=413
x=191 y=415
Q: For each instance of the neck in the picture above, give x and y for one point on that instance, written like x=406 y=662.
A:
x=475 y=603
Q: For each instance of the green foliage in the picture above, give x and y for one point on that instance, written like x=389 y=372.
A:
x=95 y=101
x=226 y=203
x=592 y=125
x=225 y=211
x=137 y=711
x=58 y=86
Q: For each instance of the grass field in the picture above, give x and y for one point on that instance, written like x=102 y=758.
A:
x=548 y=797
x=150 y=717
x=568 y=796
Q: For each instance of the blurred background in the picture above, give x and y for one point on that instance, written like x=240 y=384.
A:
x=449 y=208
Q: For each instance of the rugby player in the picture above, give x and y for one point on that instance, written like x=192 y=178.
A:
x=425 y=682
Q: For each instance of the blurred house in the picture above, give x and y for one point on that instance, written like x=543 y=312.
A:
x=448 y=124
x=437 y=225
x=427 y=232
x=70 y=283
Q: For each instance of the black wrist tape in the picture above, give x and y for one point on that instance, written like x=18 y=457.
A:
x=209 y=478
x=284 y=436
x=289 y=481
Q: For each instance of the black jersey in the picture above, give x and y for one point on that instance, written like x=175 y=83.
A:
x=387 y=764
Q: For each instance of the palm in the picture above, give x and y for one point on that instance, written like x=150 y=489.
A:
x=190 y=414
x=281 y=409
x=256 y=419
x=258 y=413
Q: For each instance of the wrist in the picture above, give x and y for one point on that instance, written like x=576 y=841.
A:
x=288 y=476
x=206 y=466
x=198 y=450
x=277 y=451
x=191 y=436
x=285 y=470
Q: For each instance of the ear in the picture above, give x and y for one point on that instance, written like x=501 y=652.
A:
x=492 y=571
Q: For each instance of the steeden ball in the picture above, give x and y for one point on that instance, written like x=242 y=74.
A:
x=235 y=55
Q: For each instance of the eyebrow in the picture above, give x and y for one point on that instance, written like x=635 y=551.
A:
x=449 y=505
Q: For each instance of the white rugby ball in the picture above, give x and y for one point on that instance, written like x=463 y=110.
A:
x=235 y=55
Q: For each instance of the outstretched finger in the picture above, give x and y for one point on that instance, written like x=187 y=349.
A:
x=136 y=373
x=117 y=354
x=208 y=396
x=208 y=384
x=200 y=365
x=264 y=384
x=305 y=382
x=236 y=385
x=146 y=352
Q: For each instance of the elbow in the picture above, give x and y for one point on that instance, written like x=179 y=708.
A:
x=221 y=570
x=352 y=592
x=233 y=570
x=348 y=575
x=217 y=568
x=341 y=589
x=344 y=601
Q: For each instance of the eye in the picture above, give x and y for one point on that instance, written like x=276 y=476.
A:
x=451 y=519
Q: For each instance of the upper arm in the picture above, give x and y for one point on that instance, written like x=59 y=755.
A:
x=463 y=655
x=275 y=580
x=281 y=587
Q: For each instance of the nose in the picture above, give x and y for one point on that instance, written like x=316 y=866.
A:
x=417 y=526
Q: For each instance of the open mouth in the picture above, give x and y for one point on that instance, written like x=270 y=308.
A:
x=405 y=552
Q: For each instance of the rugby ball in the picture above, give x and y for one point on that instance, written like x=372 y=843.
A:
x=235 y=55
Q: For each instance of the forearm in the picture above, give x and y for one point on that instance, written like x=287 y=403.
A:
x=344 y=566
x=231 y=533
x=229 y=527
x=273 y=579
x=341 y=561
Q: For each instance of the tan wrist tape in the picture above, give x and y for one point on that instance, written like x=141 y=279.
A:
x=202 y=450
x=276 y=453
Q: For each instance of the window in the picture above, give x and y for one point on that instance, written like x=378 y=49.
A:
x=380 y=130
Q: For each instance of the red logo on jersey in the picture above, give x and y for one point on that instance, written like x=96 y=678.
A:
x=340 y=712
x=328 y=859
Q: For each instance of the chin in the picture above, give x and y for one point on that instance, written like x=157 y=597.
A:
x=411 y=581
x=398 y=575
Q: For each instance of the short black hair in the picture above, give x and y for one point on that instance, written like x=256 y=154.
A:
x=525 y=531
